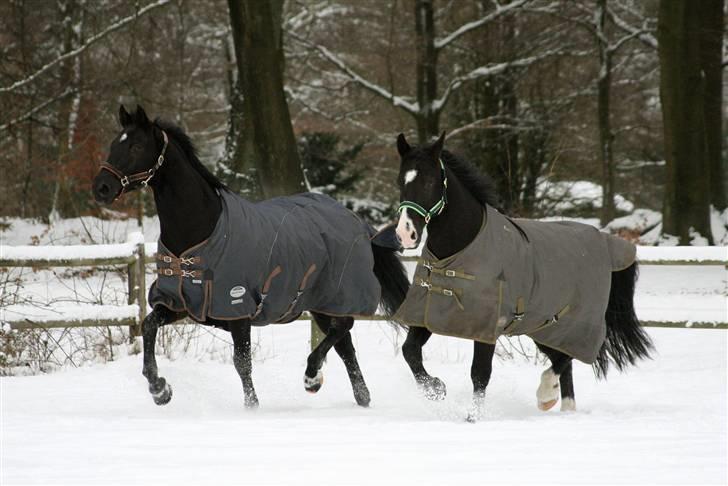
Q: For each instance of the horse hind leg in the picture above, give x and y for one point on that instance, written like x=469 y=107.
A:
x=345 y=349
x=337 y=336
x=558 y=378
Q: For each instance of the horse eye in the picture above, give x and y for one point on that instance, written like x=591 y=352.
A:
x=136 y=149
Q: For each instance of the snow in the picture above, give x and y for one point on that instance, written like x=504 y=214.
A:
x=684 y=253
x=560 y=196
x=661 y=422
x=68 y=252
x=67 y=312
x=640 y=220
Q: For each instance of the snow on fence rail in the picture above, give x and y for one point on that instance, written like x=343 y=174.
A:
x=135 y=254
x=131 y=254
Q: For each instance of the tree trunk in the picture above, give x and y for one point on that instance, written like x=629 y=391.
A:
x=606 y=137
x=266 y=143
x=71 y=17
x=428 y=119
x=711 y=50
x=683 y=93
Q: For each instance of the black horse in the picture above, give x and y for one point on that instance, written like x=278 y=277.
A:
x=191 y=205
x=446 y=194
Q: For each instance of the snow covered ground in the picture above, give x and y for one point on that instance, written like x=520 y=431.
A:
x=662 y=422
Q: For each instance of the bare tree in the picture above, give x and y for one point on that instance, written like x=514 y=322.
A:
x=690 y=58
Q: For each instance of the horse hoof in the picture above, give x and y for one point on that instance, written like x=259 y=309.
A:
x=362 y=397
x=544 y=406
x=547 y=393
x=568 y=405
x=435 y=389
x=313 y=385
x=162 y=393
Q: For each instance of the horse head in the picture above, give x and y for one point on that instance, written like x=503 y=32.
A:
x=135 y=155
x=422 y=187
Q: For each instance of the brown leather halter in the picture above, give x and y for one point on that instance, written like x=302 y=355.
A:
x=144 y=177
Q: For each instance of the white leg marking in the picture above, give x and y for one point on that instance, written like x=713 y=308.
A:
x=405 y=229
x=568 y=405
x=409 y=176
x=548 y=391
x=316 y=380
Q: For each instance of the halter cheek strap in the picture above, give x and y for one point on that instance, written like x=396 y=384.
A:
x=143 y=177
x=435 y=210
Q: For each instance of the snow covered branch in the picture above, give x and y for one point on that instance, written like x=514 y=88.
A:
x=470 y=26
x=92 y=40
x=487 y=71
x=36 y=109
x=372 y=87
x=642 y=34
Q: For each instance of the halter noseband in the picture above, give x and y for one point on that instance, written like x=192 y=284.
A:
x=144 y=176
x=435 y=210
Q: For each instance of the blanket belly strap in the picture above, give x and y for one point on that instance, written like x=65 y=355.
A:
x=301 y=288
x=445 y=272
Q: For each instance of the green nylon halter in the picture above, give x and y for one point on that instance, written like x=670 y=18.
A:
x=435 y=210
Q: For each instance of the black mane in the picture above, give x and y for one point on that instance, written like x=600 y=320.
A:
x=190 y=151
x=480 y=185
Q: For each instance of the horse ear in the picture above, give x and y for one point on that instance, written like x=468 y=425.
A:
x=402 y=146
x=124 y=116
x=436 y=148
x=141 y=116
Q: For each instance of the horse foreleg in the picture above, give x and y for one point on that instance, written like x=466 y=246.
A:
x=158 y=386
x=433 y=387
x=480 y=372
x=335 y=329
x=242 y=359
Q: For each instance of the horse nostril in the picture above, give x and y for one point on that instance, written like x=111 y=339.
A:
x=414 y=235
x=103 y=189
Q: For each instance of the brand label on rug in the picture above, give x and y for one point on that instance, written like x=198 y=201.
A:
x=237 y=291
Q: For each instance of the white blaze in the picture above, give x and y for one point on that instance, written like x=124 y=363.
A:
x=409 y=176
x=405 y=229
x=123 y=137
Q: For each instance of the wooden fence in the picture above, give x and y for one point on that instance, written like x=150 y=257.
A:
x=134 y=257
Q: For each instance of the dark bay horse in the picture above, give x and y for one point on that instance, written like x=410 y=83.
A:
x=481 y=275
x=231 y=263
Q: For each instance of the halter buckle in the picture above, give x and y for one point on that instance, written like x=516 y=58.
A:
x=124 y=181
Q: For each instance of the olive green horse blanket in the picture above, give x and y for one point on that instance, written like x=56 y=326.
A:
x=269 y=261
x=548 y=280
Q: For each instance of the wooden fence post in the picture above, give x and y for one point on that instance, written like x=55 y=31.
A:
x=131 y=272
x=316 y=335
x=141 y=286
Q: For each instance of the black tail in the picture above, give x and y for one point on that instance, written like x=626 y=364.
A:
x=626 y=340
x=392 y=277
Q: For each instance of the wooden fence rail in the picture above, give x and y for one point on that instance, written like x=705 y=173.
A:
x=135 y=257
